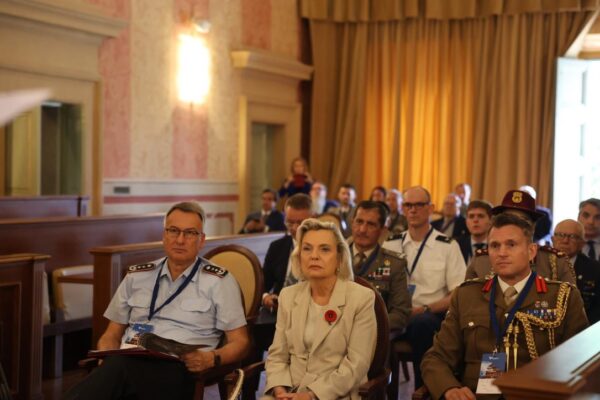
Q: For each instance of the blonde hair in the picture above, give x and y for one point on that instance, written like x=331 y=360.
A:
x=311 y=224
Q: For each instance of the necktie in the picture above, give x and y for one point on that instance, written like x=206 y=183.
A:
x=592 y=250
x=510 y=294
x=358 y=260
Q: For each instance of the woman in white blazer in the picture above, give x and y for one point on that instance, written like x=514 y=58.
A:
x=326 y=329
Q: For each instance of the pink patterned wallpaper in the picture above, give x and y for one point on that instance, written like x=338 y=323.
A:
x=190 y=122
x=256 y=23
x=265 y=24
x=115 y=69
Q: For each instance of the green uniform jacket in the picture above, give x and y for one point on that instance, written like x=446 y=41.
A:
x=387 y=273
x=466 y=333
x=549 y=263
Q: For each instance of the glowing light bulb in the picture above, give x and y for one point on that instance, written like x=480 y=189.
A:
x=193 y=78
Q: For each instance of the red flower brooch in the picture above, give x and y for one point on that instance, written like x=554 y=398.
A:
x=330 y=316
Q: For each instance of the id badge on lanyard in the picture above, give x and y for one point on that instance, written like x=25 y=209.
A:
x=492 y=366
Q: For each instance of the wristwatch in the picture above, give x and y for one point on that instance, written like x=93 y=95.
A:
x=216 y=359
x=426 y=308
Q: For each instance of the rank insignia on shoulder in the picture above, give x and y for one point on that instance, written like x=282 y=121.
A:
x=481 y=252
x=141 y=267
x=214 y=270
x=392 y=253
x=471 y=281
x=553 y=250
x=397 y=236
x=442 y=238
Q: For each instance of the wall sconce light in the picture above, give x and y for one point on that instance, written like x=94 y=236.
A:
x=193 y=77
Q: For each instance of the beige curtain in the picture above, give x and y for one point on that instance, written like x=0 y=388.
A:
x=436 y=92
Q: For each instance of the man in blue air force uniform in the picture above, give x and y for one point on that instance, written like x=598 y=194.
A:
x=180 y=297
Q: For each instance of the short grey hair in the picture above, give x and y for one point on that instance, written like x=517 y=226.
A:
x=311 y=224
x=188 y=207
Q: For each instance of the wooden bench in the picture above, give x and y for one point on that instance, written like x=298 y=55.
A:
x=571 y=369
x=43 y=206
x=68 y=241
x=21 y=323
x=111 y=262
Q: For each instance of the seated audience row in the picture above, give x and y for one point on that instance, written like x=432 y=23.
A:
x=322 y=343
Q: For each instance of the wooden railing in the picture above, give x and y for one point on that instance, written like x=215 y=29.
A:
x=571 y=369
x=43 y=206
x=21 y=280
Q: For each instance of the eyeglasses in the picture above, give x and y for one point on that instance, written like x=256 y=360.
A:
x=570 y=236
x=188 y=234
x=416 y=206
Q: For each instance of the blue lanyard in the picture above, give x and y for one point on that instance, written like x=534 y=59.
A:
x=416 y=260
x=511 y=313
x=186 y=282
x=368 y=262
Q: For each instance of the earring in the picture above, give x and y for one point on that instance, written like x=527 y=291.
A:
x=337 y=271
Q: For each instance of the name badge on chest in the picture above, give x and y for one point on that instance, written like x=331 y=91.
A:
x=136 y=331
x=492 y=366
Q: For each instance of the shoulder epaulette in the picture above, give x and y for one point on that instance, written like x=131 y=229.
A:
x=553 y=250
x=555 y=282
x=472 y=281
x=397 y=236
x=392 y=253
x=214 y=270
x=141 y=267
x=481 y=252
x=443 y=238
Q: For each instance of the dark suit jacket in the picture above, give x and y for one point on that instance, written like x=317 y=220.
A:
x=543 y=226
x=275 y=221
x=587 y=272
x=276 y=262
x=460 y=226
x=464 y=242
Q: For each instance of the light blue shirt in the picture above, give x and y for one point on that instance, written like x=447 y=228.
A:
x=208 y=306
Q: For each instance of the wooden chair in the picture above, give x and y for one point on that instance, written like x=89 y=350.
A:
x=378 y=374
x=400 y=355
x=245 y=267
x=236 y=391
x=243 y=264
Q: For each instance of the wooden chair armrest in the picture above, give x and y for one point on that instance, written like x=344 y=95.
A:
x=367 y=389
x=421 y=393
x=88 y=364
x=254 y=369
x=210 y=374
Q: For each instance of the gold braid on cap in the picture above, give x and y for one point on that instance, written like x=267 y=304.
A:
x=527 y=320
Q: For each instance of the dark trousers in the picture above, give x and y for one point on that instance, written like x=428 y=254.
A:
x=123 y=377
x=262 y=336
x=419 y=332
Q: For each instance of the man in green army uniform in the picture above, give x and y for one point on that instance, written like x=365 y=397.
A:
x=513 y=317
x=549 y=262
x=385 y=269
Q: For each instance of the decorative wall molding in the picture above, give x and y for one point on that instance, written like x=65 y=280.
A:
x=268 y=95
x=270 y=63
x=218 y=198
x=68 y=14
